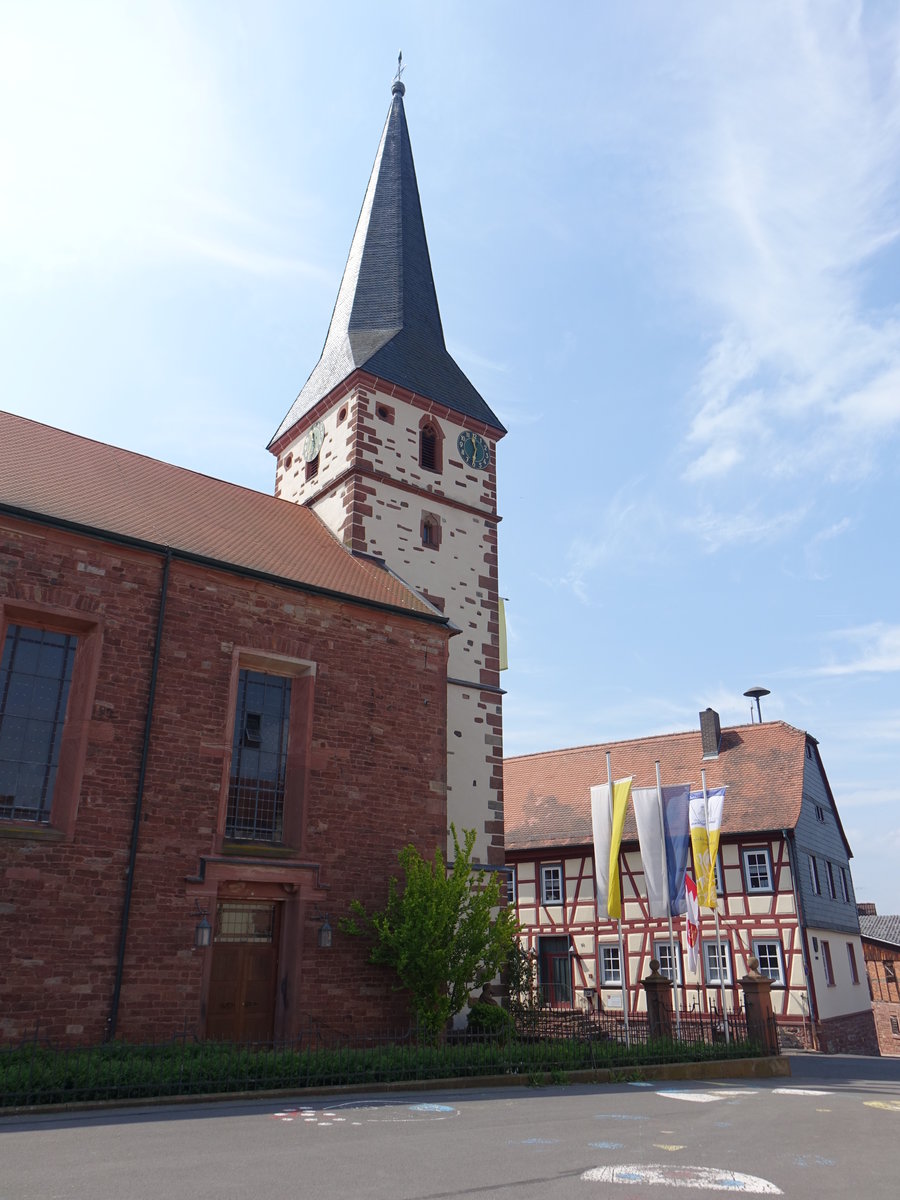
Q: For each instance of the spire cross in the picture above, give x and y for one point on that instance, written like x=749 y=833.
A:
x=398 y=87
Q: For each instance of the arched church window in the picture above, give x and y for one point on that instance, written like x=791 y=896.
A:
x=431 y=531
x=431 y=441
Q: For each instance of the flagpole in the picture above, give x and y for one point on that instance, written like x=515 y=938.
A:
x=609 y=781
x=665 y=866
x=716 y=913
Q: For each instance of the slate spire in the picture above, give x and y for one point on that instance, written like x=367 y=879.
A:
x=386 y=318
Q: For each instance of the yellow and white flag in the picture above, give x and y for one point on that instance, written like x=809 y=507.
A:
x=607 y=822
x=501 y=622
x=706 y=824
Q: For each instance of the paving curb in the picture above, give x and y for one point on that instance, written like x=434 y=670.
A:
x=734 y=1068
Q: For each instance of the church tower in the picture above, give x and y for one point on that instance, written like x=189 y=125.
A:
x=391 y=445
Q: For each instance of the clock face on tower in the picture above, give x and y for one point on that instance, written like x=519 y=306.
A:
x=313 y=443
x=474 y=450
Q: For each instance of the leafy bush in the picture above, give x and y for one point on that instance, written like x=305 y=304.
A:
x=489 y=1020
x=442 y=932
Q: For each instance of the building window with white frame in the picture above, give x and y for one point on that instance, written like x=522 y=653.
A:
x=610 y=966
x=845 y=884
x=662 y=952
x=758 y=870
x=771 y=963
x=552 y=884
x=717 y=961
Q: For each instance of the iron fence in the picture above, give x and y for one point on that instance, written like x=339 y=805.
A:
x=541 y=1045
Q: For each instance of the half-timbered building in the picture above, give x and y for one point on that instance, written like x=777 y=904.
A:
x=785 y=893
x=881 y=950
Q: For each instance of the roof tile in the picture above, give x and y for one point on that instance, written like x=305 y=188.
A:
x=60 y=476
x=547 y=800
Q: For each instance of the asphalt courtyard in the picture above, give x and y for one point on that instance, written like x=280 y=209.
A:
x=830 y=1130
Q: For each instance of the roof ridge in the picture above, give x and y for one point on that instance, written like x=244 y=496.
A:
x=647 y=737
x=159 y=462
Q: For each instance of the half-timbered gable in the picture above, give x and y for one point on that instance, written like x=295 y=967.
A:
x=777 y=796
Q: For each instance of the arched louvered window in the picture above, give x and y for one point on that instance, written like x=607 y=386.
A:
x=428 y=448
x=431 y=445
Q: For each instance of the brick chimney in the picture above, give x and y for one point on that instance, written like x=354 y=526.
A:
x=710 y=733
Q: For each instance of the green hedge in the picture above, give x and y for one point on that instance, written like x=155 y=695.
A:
x=34 y=1074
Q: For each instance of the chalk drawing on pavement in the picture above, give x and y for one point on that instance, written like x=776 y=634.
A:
x=620 y=1117
x=887 y=1105
x=798 y=1092
x=713 y=1179
x=366 y=1112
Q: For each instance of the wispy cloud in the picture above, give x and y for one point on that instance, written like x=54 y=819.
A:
x=138 y=163
x=629 y=531
x=870 y=649
x=718 y=530
x=465 y=355
x=814 y=548
x=245 y=258
x=863 y=795
x=786 y=203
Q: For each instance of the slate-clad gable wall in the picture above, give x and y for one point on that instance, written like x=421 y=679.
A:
x=824 y=840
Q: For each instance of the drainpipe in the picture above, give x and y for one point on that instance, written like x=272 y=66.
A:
x=788 y=835
x=113 y=1017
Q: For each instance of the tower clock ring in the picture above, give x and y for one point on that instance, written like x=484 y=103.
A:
x=313 y=443
x=474 y=450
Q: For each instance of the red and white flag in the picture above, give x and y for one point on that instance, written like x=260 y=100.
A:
x=692 y=921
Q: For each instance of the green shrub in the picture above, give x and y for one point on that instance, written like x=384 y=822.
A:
x=490 y=1020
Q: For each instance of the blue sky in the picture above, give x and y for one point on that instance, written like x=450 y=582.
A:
x=665 y=242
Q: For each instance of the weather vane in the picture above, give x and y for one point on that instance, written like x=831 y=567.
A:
x=400 y=67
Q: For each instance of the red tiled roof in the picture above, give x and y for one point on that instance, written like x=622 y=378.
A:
x=60 y=476
x=547 y=800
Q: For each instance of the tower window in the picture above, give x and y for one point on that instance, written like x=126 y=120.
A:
x=312 y=468
x=427 y=448
x=385 y=414
x=431 y=441
x=431 y=531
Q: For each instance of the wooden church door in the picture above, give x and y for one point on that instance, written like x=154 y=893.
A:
x=244 y=973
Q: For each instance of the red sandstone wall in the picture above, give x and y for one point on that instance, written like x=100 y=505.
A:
x=377 y=776
x=852 y=1034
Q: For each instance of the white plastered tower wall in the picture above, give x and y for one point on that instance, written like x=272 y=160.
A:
x=370 y=489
